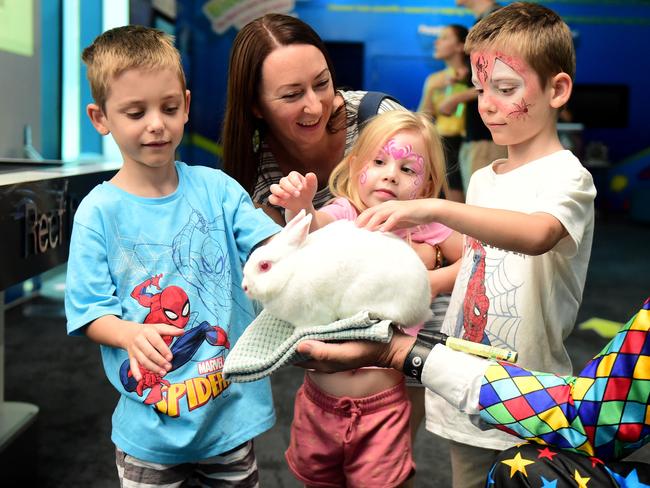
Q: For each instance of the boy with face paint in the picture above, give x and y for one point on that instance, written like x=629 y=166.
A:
x=528 y=222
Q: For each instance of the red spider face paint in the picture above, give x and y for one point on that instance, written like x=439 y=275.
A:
x=512 y=103
x=481 y=68
x=520 y=109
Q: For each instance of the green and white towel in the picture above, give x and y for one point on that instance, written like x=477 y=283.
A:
x=269 y=343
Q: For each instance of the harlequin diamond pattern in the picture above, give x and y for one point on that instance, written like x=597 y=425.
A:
x=603 y=412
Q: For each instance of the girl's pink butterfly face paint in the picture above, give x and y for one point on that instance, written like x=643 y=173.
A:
x=508 y=90
x=397 y=172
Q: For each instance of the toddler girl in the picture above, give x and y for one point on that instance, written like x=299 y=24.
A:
x=352 y=428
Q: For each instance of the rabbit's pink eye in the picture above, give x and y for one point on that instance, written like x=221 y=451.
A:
x=265 y=266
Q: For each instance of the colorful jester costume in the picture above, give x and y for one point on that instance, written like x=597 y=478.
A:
x=585 y=424
x=603 y=412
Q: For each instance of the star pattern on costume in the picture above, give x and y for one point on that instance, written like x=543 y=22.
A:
x=518 y=464
x=548 y=483
x=582 y=481
x=546 y=453
x=630 y=481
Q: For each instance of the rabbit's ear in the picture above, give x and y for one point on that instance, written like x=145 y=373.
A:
x=297 y=230
x=296 y=220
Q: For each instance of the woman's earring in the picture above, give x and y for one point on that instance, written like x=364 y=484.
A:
x=256 y=140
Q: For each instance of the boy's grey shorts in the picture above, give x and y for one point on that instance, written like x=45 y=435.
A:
x=234 y=468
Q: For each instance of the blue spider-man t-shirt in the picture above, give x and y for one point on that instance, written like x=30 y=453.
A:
x=174 y=260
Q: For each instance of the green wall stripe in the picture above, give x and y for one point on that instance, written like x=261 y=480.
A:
x=206 y=144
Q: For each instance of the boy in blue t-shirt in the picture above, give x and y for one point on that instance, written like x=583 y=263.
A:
x=154 y=277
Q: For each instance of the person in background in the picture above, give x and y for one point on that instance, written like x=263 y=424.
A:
x=398 y=156
x=528 y=222
x=283 y=111
x=477 y=149
x=449 y=47
x=156 y=258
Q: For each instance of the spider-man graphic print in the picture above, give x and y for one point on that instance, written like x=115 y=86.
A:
x=171 y=306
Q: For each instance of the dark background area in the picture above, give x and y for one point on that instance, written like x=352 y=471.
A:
x=69 y=444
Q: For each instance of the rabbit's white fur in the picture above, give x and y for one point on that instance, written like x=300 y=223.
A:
x=336 y=272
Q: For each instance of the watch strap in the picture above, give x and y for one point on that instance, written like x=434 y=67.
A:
x=417 y=356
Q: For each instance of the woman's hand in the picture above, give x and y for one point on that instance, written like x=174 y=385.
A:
x=447 y=106
x=295 y=192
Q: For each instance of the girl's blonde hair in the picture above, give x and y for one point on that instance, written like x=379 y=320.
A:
x=344 y=178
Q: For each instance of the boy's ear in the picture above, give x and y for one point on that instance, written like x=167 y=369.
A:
x=187 y=105
x=97 y=118
x=561 y=87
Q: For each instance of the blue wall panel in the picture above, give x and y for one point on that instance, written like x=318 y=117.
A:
x=611 y=44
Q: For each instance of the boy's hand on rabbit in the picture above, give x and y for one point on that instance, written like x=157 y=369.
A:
x=146 y=347
x=397 y=214
x=295 y=192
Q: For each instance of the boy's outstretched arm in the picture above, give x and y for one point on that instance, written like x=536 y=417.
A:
x=143 y=342
x=294 y=193
x=532 y=234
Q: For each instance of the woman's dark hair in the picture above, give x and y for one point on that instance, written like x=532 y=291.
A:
x=254 y=42
x=460 y=31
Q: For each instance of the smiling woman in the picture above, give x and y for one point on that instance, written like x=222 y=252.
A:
x=283 y=111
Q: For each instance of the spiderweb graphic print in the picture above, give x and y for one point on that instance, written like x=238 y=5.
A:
x=137 y=258
x=504 y=318
x=485 y=302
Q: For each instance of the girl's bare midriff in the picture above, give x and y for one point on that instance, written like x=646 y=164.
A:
x=357 y=383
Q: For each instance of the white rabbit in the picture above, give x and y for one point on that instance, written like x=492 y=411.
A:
x=335 y=272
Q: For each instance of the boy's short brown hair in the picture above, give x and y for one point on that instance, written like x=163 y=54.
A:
x=124 y=48
x=533 y=31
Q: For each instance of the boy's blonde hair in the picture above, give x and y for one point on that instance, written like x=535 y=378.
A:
x=129 y=47
x=533 y=31
x=344 y=179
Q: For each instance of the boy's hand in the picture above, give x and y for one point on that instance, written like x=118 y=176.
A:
x=147 y=348
x=448 y=105
x=295 y=192
x=397 y=214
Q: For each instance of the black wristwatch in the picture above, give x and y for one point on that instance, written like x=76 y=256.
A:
x=418 y=354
